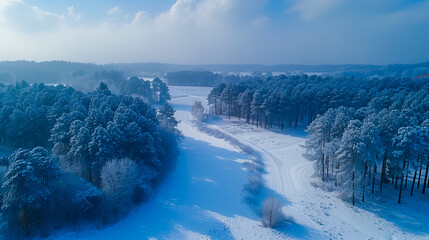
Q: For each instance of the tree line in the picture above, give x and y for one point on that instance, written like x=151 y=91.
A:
x=385 y=141
x=359 y=129
x=198 y=78
x=155 y=91
x=87 y=73
x=79 y=157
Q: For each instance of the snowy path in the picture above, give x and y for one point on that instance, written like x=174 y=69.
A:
x=290 y=174
x=200 y=199
x=318 y=214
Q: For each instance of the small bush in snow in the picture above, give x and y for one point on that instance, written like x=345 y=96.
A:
x=119 y=181
x=254 y=185
x=198 y=111
x=272 y=213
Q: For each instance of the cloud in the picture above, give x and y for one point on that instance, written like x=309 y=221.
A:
x=114 y=11
x=310 y=9
x=44 y=17
x=140 y=17
x=190 y=31
x=21 y=17
x=7 y=3
x=4 y=4
x=181 y=11
x=222 y=31
x=76 y=16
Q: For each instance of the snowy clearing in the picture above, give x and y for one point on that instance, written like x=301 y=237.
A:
x=317 y=211
x=203 y=197
x=290 y=174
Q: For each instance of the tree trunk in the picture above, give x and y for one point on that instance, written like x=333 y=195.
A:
x=406 y=176
x=363 y=187
x=323 y=167
x=353 y=187
x=327 y=167
x=420 y=171
x=369 y=175
x=400 y=190
x=414 y=181
x=402 y=181
x=426 y=177
x=427 y=185
x=396 y=182
x=383 y=171
x=373 y=178
x=364 y=181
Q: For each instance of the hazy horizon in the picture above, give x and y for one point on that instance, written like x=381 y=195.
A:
x=199 y=32
x=210 y=64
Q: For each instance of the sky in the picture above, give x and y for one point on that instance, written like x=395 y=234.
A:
x=216 y=31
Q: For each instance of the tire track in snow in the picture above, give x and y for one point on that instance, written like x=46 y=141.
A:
x=318 y=208
x=311 y=206
x=273 y=168
x=323 y=209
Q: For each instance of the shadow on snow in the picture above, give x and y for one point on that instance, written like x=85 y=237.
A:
x=410 y=216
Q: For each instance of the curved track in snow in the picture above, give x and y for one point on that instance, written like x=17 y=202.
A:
x=290 y=174
x=202 y=198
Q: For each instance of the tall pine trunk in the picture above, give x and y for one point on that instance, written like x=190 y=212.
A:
x=369 y=175
x=353 y=187
x=373 y=178
x=406 y=176
x=414 y=181
x=400 y=190
x=323 y=167
x=402 y=181
x=426 y=177
x=327 y=168
x=420 y=171
x=363 y=185
x=396 y=182
x=383 y=170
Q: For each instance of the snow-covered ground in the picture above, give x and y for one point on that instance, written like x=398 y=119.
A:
x=290 y=174
x=317 y=211
x=203 y=197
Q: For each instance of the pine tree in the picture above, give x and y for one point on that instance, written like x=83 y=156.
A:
x=408 y=143
x=27 y=186
x=166 y=119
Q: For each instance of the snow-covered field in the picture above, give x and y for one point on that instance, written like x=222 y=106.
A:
x=203 y=197
x=318 y=212
x=290 y=174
